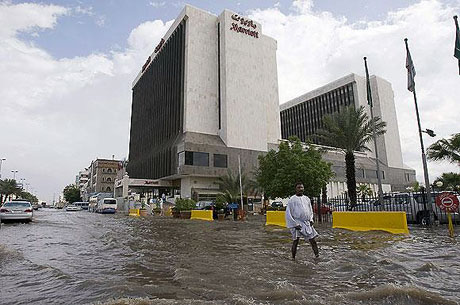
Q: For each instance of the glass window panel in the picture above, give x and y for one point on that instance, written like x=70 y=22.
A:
x=200 y=159
x=220 y=160
x=188 y=158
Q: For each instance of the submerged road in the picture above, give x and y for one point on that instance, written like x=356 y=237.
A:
x=85 y=258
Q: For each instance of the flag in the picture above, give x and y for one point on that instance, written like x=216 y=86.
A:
x=368 y=85
x=457 y=43
x=410 y=70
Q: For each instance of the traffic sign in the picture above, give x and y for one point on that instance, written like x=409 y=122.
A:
x=447 y=202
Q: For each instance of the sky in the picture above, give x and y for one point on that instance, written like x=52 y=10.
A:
x=66 y=69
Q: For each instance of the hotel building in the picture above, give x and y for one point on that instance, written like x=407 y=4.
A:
x=207 y=96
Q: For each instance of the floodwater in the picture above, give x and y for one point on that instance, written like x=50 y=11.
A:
x=84 y=258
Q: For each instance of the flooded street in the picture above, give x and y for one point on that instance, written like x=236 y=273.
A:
x=85 y=258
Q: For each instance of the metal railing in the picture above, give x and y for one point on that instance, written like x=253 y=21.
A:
x=417 y=209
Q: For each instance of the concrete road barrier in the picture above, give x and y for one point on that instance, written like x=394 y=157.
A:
x=133 y=212
x=393 y=222
x=276 y=218
x=202 y=215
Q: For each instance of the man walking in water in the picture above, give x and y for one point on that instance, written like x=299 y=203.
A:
x=299 y=220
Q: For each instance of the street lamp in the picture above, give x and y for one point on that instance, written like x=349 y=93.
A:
x=21 y=181
x=439 y=184
x=1 y=160
x=14 y=174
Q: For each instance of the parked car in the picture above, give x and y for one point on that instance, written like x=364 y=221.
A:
x=16 y=210
x=72 y=208
x=277 y=204
x=412 y=204
x=325 y=209
x=204 y=205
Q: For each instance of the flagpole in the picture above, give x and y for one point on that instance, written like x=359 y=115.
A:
x=425 y=167
x=457 y=42
x=371 y=105
x=241 y=187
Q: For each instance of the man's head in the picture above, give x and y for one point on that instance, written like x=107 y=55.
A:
x=299 y=189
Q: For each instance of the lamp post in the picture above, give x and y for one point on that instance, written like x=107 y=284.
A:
x=22 y=181
x=14 y=174
x=1 y=160
x=439 y=184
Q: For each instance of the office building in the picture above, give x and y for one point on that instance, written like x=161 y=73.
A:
x=303 y=116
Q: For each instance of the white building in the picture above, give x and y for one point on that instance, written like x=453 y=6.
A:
x=303 y=116
x=206 y=95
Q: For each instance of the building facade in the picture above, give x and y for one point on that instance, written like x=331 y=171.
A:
x=206 y=98
x=102 y=174
x=303 y=116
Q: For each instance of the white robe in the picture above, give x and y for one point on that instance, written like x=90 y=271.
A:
x=299 y=212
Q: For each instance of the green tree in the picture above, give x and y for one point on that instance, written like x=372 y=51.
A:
x=279 y=170
x=450 y=182
x=28 y=196
x=350 y=130
x=8 y=187
x=72 y=193
x=445 y=149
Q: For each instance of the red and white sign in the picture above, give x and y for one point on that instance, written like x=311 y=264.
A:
x=447 y=202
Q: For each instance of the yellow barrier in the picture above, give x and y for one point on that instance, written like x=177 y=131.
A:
x=202 y=214
x=393 y=222
x=276 y=218
x=133 y=212
x=168 y=212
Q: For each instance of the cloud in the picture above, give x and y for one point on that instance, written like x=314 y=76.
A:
x=59 y=114
x=316 y=47
x=27 y=17
x=83 y=10
x=157 y=3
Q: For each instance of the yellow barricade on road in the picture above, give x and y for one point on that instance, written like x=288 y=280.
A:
x=393 y=222
x=133 y=212
x=202 y=214
x=276 y=218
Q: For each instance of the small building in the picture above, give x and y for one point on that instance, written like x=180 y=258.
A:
x=101 y=177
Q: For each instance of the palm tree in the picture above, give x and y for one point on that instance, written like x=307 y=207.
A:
x=230 y=186
x=350 y=130
x=446 y=149
x=7 y=188
x=364 y=190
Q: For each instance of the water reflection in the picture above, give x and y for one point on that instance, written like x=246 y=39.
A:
x=84 y=258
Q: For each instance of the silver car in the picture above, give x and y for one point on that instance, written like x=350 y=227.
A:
x=16 y=210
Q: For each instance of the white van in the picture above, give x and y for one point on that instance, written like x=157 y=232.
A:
x=107 y=206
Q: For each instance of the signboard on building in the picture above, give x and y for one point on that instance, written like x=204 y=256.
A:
x=244 y=25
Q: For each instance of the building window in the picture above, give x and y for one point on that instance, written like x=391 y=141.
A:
x=109 y=170
x=220 y=160
x=108 y=189
x=108 y=179
x=196 y=158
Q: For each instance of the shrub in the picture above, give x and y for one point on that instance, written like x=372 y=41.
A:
x=185 y=204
